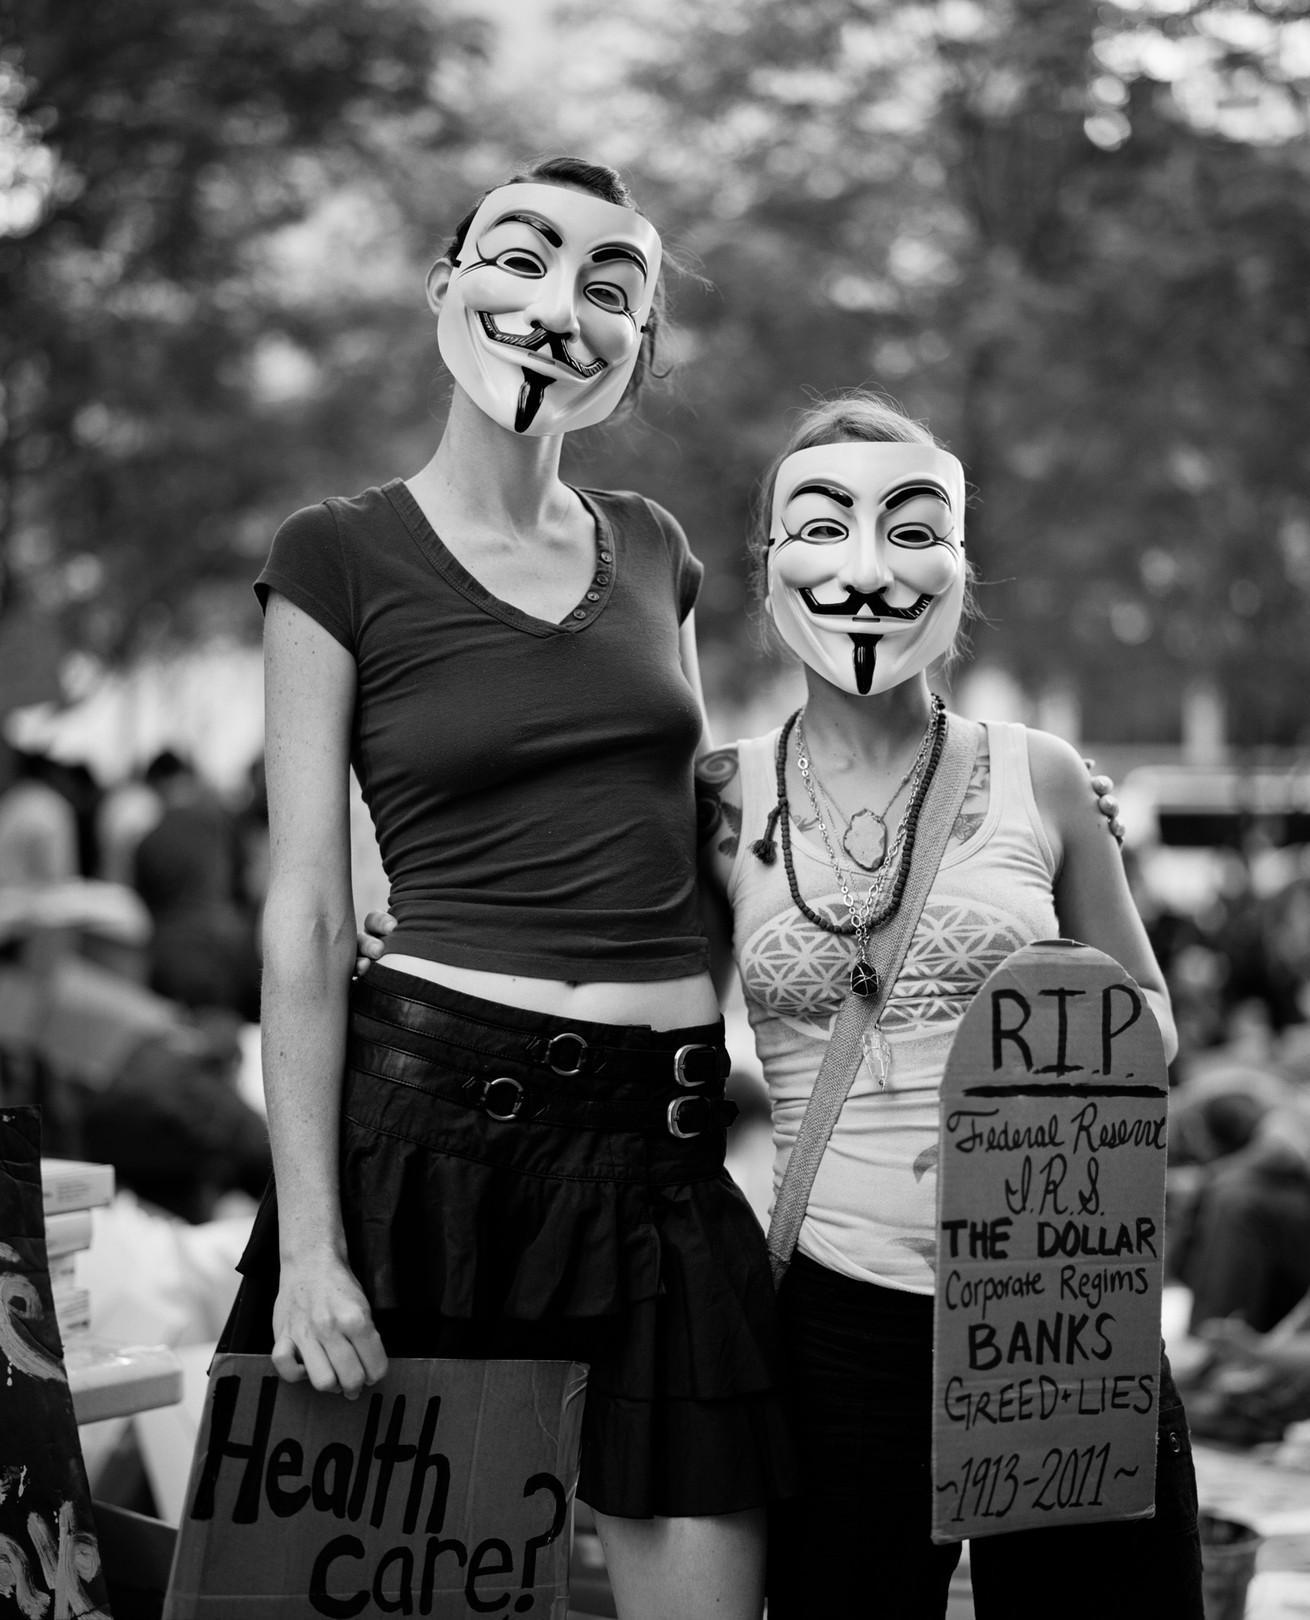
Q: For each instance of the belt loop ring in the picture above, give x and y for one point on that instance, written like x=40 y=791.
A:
x=516 y=1106
x=565 y=1035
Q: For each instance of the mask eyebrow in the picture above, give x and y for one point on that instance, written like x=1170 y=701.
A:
x=831 y=491
x=539 y=225
x=907 y=492
x=604 y=255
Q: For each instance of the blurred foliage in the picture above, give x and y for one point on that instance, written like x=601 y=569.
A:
x=1091 y=280
x=1074 y=235
x=179 y=364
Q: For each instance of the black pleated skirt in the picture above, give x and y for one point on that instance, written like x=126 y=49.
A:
x=518 y=1185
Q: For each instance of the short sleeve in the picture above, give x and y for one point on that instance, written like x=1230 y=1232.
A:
x=308 y=567
x=688 y=570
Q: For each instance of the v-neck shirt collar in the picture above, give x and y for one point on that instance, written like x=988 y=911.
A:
x=585 y=611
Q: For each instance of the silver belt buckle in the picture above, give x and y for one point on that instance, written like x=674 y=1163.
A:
x=680 y=1063
x=672 y=1113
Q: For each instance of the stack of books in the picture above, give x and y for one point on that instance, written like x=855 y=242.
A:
x=107 y=1380
x=70 y=1190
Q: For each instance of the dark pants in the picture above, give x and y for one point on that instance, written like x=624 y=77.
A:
x=856 y=1542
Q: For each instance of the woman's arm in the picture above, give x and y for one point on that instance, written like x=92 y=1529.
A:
x=1092 y=898
x=321 y=1323
x=689 y=658
x=718 y=831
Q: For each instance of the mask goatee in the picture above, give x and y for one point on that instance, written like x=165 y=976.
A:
x=530 y=398
x=865 y=656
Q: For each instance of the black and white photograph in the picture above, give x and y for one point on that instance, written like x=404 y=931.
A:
x=655 y=809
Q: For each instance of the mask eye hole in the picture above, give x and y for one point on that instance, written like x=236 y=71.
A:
x=917 y=536
x=519 y=262
x=605 y=295
x=823 y=531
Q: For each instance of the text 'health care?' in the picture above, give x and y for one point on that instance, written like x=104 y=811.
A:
x=445 y=1491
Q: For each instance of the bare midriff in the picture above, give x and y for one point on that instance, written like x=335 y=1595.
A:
x=658 y=1003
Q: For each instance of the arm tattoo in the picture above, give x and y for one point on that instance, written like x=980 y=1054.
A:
x=714 y=816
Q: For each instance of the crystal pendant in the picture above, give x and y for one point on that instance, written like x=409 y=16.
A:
x=865 y=839
x=877 y=1056
x=864 y=978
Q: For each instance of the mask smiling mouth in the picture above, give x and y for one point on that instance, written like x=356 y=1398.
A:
x=873 y=600
x=540 y=338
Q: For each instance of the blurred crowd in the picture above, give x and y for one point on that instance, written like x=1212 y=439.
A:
x=1239 y=1150
x=129 y=970
x=129 y=992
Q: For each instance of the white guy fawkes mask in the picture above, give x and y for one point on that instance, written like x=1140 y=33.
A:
x=866 y=560
x=542 y=318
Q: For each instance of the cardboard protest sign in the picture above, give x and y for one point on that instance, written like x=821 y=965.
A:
x=49 y=1558
x=445 y=1490
x=1049 y=1250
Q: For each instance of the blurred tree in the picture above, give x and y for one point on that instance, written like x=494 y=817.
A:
x=1077 y=237
x=191 y=198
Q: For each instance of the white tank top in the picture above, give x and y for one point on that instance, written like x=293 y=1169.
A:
x=872 y=1213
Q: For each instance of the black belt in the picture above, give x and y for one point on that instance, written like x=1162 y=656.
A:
x=684 y=1113
x=568 y=1055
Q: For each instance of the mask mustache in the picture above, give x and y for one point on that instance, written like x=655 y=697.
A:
x=855 y=600
x=541 y=338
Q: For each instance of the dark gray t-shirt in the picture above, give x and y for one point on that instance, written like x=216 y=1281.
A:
x=530 y=783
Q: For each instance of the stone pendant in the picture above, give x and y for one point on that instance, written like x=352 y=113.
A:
x=864 y=978
x=865 y=840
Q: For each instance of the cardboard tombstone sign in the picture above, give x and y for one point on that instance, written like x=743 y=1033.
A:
x=49 y=1557
x=1046 y=1357
x=444 y=1490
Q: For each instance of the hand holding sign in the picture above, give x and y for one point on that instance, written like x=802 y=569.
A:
x=1050 y=1244
x=323 y=1329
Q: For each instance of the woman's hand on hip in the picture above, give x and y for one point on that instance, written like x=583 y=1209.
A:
x=368 y=941
x=323 y=1329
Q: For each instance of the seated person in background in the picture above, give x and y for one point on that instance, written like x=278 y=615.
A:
x=1250 y=1388
x=1249 y=1255
x=174 y=1127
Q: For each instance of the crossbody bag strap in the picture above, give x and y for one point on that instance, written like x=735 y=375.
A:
x=841 y=1059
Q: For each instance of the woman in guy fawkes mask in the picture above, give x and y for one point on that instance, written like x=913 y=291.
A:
x=813 y=832
x=509 y=663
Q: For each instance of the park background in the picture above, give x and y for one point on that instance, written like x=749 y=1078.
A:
x=1072 y=236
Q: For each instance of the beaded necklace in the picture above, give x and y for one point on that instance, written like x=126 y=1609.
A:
x=863 y=978
x=876 y=910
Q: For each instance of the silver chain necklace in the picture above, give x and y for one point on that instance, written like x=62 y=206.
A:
x=864 y=977
x=865 y=838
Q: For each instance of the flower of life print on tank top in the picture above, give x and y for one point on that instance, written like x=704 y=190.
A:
x=872 y=1209
x=800 y=974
